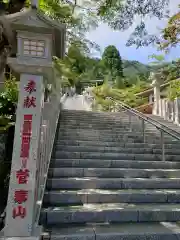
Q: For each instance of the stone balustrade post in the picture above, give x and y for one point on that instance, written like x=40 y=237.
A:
x=156 y=109
x=160 y=107
x=156 y=83
x=163 y=108
x=166 y=109
x=177 y=111
x=171 y=109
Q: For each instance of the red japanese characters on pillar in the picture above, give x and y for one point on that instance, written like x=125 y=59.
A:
x=22 y=175
x=31 y=87
x=19 y=211
x=20 y=196
x=30 y=101
x=26 y=136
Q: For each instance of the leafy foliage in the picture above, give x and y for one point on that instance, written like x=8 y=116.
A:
x=174 y=90
x=77 y=68
x=121 y=15
x=111 y=60
x=73 y=67
x=8 y=102
x=106 y=96
x=171 y=34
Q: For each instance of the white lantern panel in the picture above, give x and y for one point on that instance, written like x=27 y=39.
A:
x=35 y=48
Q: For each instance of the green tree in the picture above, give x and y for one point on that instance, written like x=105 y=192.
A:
x=171 y=33
x=119 y=82
x=112 y=61
x=95 y=69
x=169 y=71
x=73 y=67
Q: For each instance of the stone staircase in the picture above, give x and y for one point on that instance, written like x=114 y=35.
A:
x=170 y=124
x=104 y=182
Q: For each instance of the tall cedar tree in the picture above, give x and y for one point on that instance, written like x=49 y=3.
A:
x=112 y=61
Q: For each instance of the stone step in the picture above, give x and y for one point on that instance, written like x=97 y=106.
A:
x=101 y=126
x=96 y=114
x=123 y=231
x=77 y=126
x=112 y=183
x=84 y=196
x=86 y=142
x=65 y=112
x=97 y=119
x=120 y=141
x=116 y=138
x=115 y=149
x=107 y=120
x=163 y=120
x=107 y=124
x=113 y=173
x=114 y=212
x=103 y=123
x=87 y=119
x=85 y=123
x=98 y=163
x=119 y=117
x=105 y=127
x=110 y=149
x=113 y=156
x=92 y=132
x=110 y=116
x=110 y=135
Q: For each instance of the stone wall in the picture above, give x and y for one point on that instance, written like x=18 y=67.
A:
x=4 y=170
x=3 y=136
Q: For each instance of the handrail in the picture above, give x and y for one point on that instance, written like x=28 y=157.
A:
x=161 y=127
x=150 y=120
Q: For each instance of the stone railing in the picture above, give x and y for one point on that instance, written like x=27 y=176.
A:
x=169 y=110
x=50 y=117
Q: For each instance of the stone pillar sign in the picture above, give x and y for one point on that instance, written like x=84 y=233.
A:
x=37 y=39
x=20 y=207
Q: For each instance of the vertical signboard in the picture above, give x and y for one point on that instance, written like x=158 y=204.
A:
x=20 y=206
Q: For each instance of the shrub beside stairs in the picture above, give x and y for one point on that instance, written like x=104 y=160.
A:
x=104 y=182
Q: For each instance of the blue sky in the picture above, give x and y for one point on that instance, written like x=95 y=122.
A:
x=105 y=36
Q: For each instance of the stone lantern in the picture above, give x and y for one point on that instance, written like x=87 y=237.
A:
x=37 y=40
